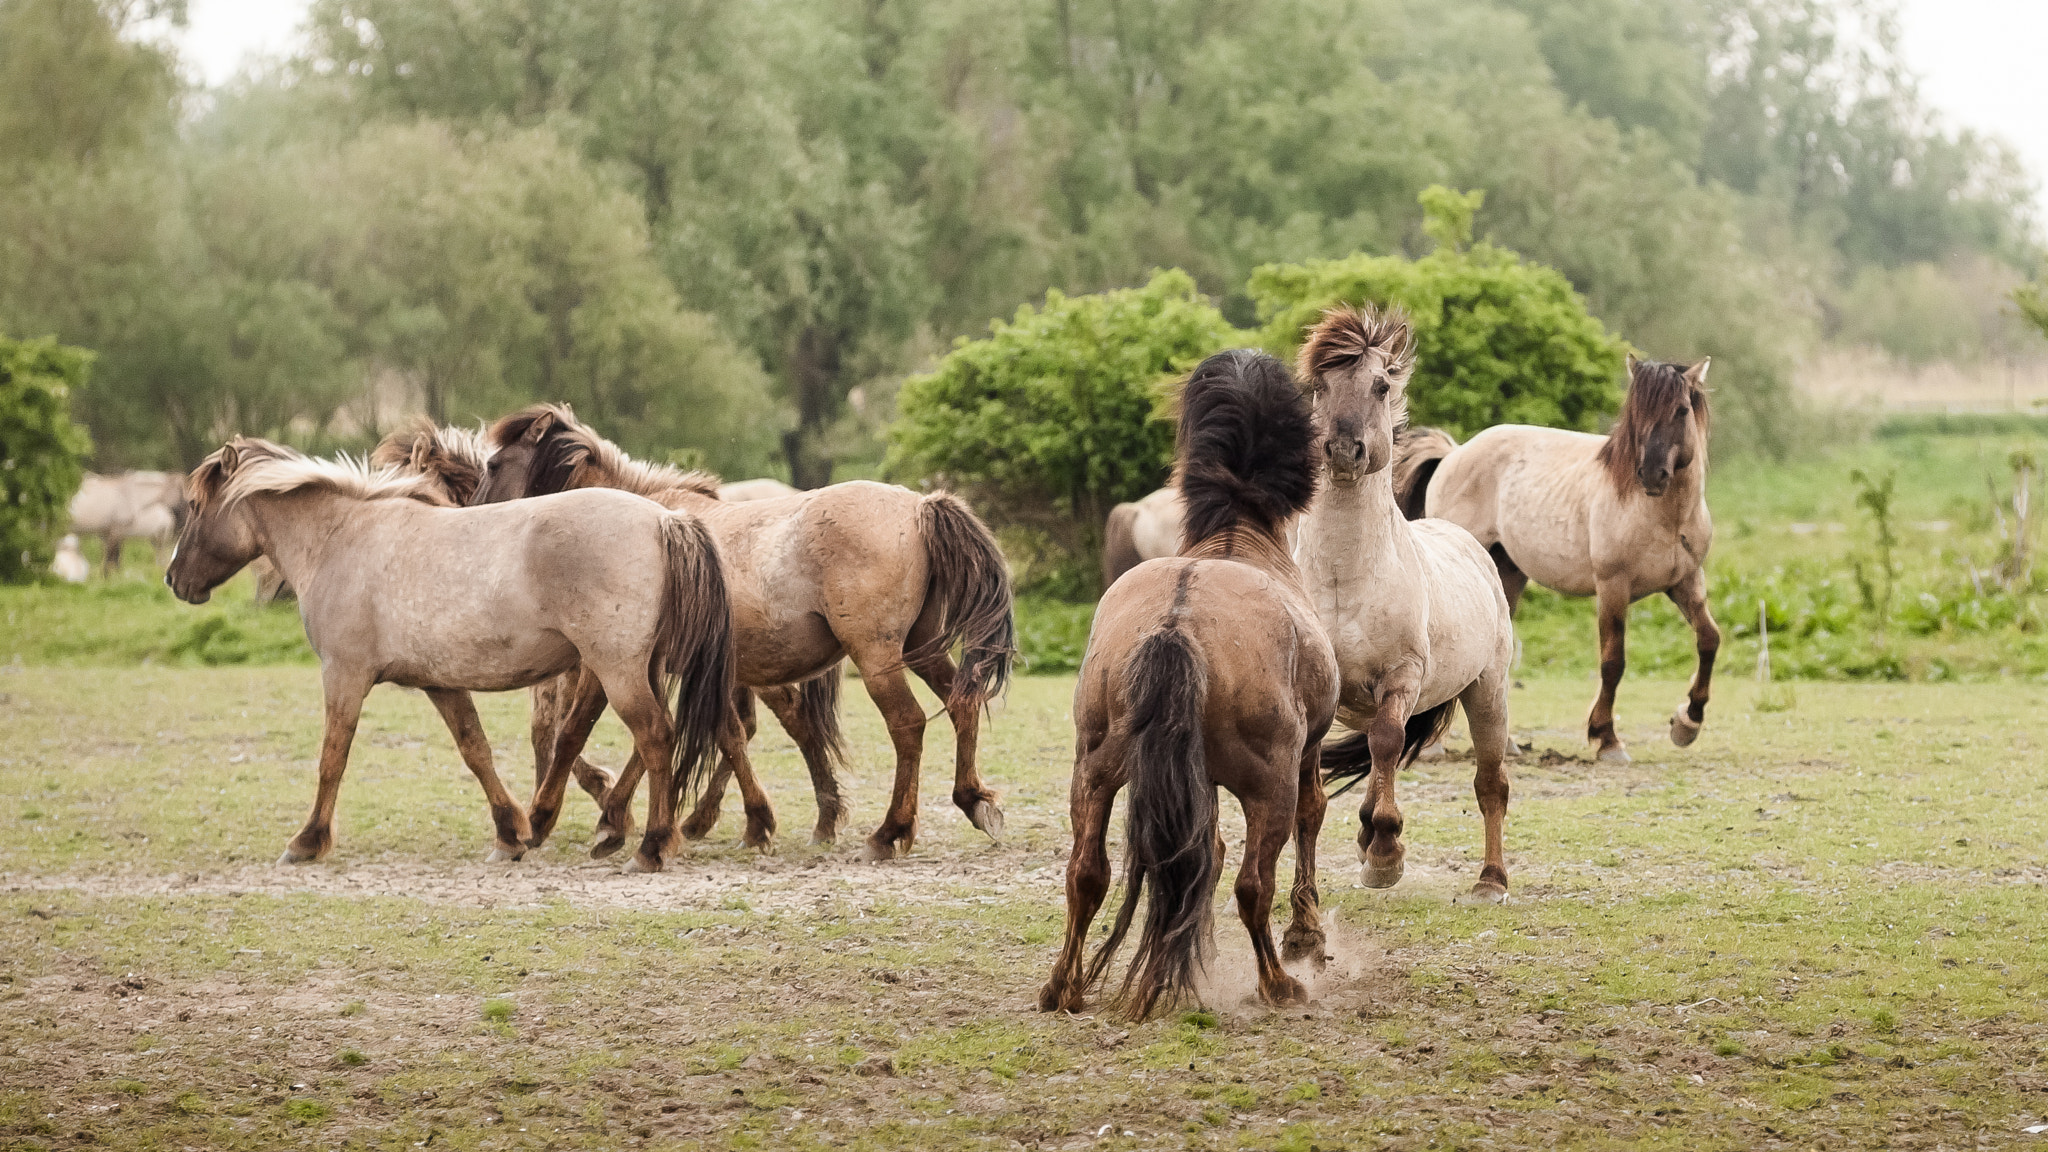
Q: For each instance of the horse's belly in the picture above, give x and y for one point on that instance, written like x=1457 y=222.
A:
x=483 y=664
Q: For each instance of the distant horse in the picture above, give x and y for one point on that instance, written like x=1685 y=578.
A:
x=145 y=505
x=69 y=565
x=1617 y=517
x=397 y=587
x=765 y=488
x=1205 y=670
x=1139 y=531
x=1414 y=609
x=859 y=569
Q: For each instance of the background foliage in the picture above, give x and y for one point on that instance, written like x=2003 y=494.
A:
x=42 y=452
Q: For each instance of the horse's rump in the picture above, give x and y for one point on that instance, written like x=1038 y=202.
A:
x=1417 y=453
x=1119 y=546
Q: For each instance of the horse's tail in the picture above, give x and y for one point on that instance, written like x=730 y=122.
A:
x=968 y=585
x=1170 y=827
x=693 y=656
x=1350 y=759
x=1119 y=544
x=817 y=701
x=1417 y=452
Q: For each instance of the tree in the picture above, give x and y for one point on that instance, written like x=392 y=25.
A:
x=1056 y=416
x=42 y=452
x=1498 y=340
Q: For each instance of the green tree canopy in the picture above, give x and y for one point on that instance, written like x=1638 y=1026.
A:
x=42 y=452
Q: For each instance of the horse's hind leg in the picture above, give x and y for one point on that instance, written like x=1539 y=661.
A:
x=1513 y=581
x=969 y=794
x=704 y=817
x=732 y=747
x=458 y=711
x=344 y=709
x=786 y=703
x=1690 y=595
x=1094 y=795
x=1612 y=599
x=1486 y=709
x=639 y=706
x=881 y=671
x=1305 y=933
x=1269 y=819
x=551 y=702
x=615 y=822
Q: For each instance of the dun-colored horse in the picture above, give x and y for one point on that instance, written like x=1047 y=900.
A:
x=1203 y=671
x=1142 y=530
x=146 y=505
x=872 y=571
x=397 y=587
x=1616 y=517
x=1414 y=609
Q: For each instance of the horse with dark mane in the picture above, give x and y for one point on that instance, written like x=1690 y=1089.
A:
x=1205 y=670
x=1617 y=517
x=398 y=586
x=874 y=572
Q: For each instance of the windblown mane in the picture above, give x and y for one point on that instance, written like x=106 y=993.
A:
x=571 y=455
x=456 y=455
x=1654 y=390
x=1346 y=334
x=266 y=467
x=1245 y=433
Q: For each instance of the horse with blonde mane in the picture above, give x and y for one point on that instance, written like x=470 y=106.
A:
x=1205 y=670
x=396 y=585
x=1414 y=610
x=1617 y=517
x=870 y=571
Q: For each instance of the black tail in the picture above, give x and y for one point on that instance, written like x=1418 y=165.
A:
x=693 y=656
x=1350 y=759
x=817 y=702
x=1119 y=549
x=1417 y=452
x=1170 y=827
x=969 y=586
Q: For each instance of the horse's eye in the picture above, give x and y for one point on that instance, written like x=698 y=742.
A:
x=1381 y=388
x=1684 y=412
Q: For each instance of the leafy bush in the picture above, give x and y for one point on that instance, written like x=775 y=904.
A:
x=1498 y=340
x=1056 y=416
x=42 y=453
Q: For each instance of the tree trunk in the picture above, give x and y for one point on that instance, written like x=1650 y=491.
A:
x=814 y=385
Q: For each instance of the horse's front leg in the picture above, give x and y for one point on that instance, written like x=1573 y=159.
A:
x=1611 y=599
x=458 y=712
x=818 y=743
x=1305 y=932
x=704 y=817
x=344 y=708
x=1690 y=595
x=1381 y=850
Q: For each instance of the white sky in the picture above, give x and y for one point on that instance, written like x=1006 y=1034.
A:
x=1980 y=60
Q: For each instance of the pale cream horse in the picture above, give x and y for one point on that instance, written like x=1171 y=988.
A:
x=763 y=488
x=1141 y=530
x=397 y=587
x=131 y=505
x=1414 y=609
x=1617 y=517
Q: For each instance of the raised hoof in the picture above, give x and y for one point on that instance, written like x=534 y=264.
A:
x=1299 y=943
x=606 y=843
x=988 y=816
x=1614 y=754
x=1684 y=729
x=1432 y=751
x=1380 y=875
x=503 y=855
x=1484 y=893
x=697 y=829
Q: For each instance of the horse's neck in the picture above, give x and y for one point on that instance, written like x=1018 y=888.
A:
x=1250 y=546
x=1353 y=529
x=297 y=529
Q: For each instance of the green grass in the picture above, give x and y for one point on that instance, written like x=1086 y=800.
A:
x=133 y=619
x=1817 y=927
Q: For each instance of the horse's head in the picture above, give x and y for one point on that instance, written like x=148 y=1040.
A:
x=534 y=451
x=218 y=539
x=1355 y=364
x=1662 y=426
x=452 y=457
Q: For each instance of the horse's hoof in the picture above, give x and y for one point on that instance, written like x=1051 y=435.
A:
x=503 y=855
x=875 y=853
x=696 y=830
x=763 y=843
x=1432 y=751
x=1684 y=729
x=1614 y=754
x=641 y=862
x=824 y=835
x=1484 y=893
x=988 y=817
x=606 y=843
x=1301 y=942
x=1286 y=991
x=291 y=857
x=1381 y=875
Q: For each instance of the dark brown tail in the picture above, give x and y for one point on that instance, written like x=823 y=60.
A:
x=817 y=701
x=693 y=657
x=1169 y=829
x=1417 y=452
x=969 y=586
x=1350 y=759
x=1119 y=544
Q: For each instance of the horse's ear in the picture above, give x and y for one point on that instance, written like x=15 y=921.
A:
x=1633 y=364
x=538 y=428
x=230 y=459
x=1697 y=374
x=422 y=454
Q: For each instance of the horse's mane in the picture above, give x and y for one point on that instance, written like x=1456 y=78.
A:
x=264 y=467
x=1344 y=336
x=569 y=454
x=1245 y=434
x=1654 y=390
x=455 y=455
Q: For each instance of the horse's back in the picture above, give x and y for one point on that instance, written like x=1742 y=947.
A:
x=1530 y=490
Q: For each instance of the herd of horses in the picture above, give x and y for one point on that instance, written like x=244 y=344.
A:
x=1328 y=564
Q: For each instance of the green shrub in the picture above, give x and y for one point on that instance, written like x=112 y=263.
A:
x=1498 y=340
x=42 y=452
x=1056 y=416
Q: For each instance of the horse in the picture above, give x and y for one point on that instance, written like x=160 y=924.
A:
x=863 y=570
x=146 y=505
x=398 y=586
x=1414 y=609
x=1139 y=531
x=69 y=565
x=764 y=488
x=1205 y=670
x=1617 y=517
